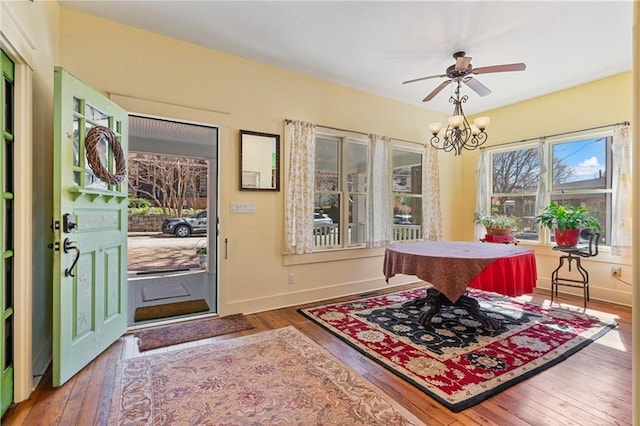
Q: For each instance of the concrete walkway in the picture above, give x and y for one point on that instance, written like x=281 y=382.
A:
x=148 y=252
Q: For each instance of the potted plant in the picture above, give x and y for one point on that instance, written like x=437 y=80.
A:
x=567 y=222
x=201 y=252
x=496 y=224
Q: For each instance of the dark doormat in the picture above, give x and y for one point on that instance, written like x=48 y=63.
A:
x=189 y=331
x=145 y=313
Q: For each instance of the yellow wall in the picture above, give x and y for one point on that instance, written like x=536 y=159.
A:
x=594 y=104
x=251 y=96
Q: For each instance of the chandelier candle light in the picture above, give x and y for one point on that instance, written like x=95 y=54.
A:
x=459 y=134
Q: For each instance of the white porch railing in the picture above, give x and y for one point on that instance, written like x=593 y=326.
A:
x=407 y=232
x=328 y=236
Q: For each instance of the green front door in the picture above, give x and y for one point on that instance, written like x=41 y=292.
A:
x=6 y=232
x=89 y=225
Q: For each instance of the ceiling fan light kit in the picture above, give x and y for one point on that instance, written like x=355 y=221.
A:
x=459 y=134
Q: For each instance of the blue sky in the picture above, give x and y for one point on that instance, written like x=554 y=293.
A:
x=585 y=157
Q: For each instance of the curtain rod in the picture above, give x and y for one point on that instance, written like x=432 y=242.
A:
x=557 y=134
x=287 y=120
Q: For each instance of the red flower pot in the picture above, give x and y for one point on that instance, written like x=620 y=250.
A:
x=567 y=237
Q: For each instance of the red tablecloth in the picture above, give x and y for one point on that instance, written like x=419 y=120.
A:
x=452 y=266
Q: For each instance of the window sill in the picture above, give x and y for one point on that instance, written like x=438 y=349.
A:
x=332 y=255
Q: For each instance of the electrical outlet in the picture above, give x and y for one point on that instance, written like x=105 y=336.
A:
x=616 y=271
x=292 y=278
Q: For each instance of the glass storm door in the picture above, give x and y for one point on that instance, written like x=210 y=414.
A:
x=89 y=225
x=6 y=233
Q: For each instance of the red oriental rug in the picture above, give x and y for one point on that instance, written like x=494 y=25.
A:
x=454 y=359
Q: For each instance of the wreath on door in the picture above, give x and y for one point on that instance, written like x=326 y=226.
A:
x=91 y=143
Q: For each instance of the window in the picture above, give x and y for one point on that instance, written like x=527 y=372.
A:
x=341 y=189
x=516 y=174
x=407 y=193
x=579 y=175
x=341 y=168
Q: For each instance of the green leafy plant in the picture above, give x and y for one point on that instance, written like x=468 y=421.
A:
x=567 y=217
x=500 y=221
x=139 y=203
x=201 y=248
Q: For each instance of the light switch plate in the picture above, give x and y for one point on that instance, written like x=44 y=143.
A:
x=243 y=207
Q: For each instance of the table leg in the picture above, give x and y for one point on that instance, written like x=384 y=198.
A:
x=431 y=304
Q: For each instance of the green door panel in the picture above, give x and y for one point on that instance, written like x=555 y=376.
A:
x=6 y=235
x=90 y=275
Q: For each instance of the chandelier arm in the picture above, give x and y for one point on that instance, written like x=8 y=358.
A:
x=459 y=134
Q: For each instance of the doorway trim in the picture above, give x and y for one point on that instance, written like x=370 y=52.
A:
x=18 y=45
x=189 y=115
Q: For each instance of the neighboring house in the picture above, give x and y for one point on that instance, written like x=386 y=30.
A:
x=150 y=74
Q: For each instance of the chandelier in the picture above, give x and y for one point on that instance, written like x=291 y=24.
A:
x=459 y=134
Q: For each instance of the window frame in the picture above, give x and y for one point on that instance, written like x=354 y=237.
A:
x=544 y=235
x=343 y=138
x=343 y=192
x=492 y=194
x=407 y=231
x=607 y=192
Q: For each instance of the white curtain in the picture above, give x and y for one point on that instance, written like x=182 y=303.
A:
x=622 y=209
x=483 y=189
x=379 y=231
x=543 y=195
x=298 y=209
x=431 y=211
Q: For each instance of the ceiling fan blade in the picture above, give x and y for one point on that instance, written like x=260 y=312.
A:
x=462 y=62
x=477 y=87
x=500 y=68
x=424 y=78
x=436 y=91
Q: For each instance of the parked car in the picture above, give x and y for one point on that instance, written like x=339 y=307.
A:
x=402 y=219
x=185 y=226
x=322 y=224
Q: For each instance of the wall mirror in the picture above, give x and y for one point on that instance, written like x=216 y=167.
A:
x=259 y=161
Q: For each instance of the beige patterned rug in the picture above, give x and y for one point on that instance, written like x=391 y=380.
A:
x=275 y=377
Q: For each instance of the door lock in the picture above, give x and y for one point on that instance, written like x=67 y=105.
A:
x=68 y=224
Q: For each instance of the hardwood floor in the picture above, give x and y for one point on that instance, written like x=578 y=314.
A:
x=592 y=387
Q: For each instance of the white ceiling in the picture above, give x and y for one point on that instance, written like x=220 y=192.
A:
x=376 y=45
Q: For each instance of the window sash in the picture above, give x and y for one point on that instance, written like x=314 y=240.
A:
x=558 y=194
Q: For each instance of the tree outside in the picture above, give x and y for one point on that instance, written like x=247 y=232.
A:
x=170 y=183
x=516 y=175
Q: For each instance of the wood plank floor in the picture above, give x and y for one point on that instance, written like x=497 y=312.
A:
x=592 y=387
